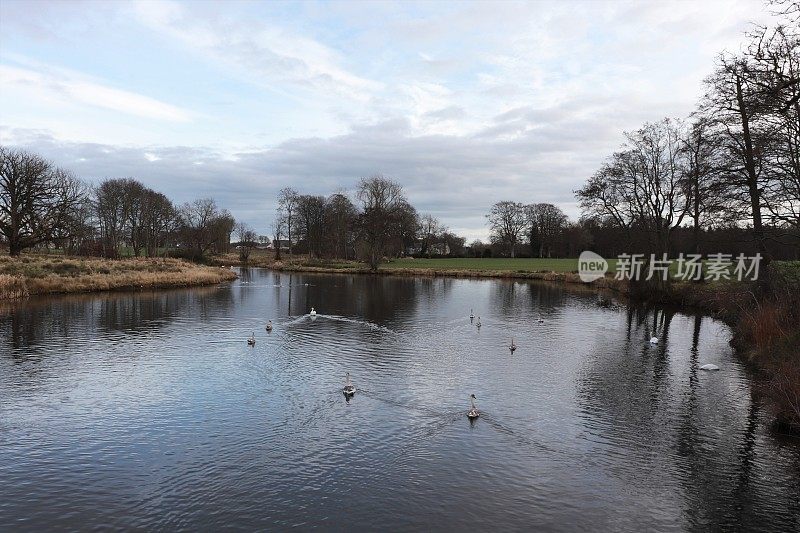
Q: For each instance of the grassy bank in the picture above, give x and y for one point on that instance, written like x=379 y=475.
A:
x=43 y=274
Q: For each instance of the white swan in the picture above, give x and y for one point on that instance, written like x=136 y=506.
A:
x=478 y=323
x=471 y=315
x=473 y=412
x=313 y=312
x=654 y=340
x=348 y=388
x=269 y=326
x=709 y=367
x=252 y=340
x=513 y=346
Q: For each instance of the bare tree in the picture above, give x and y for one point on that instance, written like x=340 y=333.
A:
x=732 y=105
x=158 y=220
x=36 y=199
x=311 y=222
x=703 y=165
x=382 y=202
x=247 y=241
x=278 y=227
x=430 y=230
x=507 y=224
x=202 y=225
x=545 y=224
x=643 y=186
x=288 y=200
x=341 y=216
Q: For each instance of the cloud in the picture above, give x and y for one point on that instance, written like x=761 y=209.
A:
x=528 y=155
x=66 y=85
x=267 y=54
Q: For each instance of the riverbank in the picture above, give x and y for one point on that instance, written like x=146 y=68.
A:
x=45 y=274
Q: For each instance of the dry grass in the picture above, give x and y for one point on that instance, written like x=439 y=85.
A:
x=33 y=274
x=12 y=287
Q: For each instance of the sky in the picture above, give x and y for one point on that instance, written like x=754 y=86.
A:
x=464 y=104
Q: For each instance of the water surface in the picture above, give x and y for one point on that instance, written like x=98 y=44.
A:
x=150 y=410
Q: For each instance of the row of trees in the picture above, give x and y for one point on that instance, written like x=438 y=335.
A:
x=41 y=204
x=540 y=225
x=381 y=223
x=734 y=162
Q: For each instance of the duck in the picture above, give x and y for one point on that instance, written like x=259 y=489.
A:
x=473 y=412
x=252 y=340
x=313 y=312
x=513 y=346
x=269 y=326
x=478 y=323
x=653 y=340
x=348 y=388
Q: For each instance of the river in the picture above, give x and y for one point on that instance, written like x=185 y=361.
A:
x=150 y=410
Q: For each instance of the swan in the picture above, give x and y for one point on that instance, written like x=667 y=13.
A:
x=269 y=326
x=540 y=320
x=473 y=412
x=478 y=323
x=348 y=389
x=513 y=346
x=252 y=340
x=471 y=315
x=654 y=340
x=709 y=367
x=313 y=312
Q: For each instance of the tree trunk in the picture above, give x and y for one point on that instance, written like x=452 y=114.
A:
x=752 y=176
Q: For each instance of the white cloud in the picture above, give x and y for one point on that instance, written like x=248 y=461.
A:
x=266 y=53
x=55 y=84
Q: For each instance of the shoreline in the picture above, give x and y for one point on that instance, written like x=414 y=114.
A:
x=35 y=275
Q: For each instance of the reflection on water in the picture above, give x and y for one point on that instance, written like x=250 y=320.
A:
x=149 y=410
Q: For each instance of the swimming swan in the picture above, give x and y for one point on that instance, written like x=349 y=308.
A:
x=709 y=367
x=313 y=312
x=478 y=323
x=471 y=315
x=473 y=412
x=513 y=346
x=654 y=340
x=348 y=389
x=252 y=340
x=269 y=326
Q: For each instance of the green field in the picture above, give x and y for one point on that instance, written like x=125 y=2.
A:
x=505 y=264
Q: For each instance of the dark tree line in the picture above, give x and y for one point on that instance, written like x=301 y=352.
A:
x=380 y=224
x=43 y=205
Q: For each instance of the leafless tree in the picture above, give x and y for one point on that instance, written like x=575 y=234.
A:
x=733 y=106
x=430 y=231
x=37 y=200
x=278 y=227
x=643 y=186
x=382 y=203
x=507 y=224
x=203 y=227
x=545 y=222
x=247 y=241
x=310 y=222
x=341 y=217
x=288 y=200
x=703 y=166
